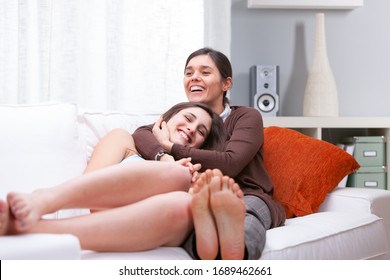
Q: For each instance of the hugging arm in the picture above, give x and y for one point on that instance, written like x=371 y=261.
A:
x=245 y=139
x=146 y=143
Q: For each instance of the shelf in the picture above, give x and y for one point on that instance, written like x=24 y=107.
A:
x=326 y=122
x=305 y=4
x=333 y=129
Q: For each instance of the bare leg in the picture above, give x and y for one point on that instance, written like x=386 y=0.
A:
x=109 y=187
x=161 y=220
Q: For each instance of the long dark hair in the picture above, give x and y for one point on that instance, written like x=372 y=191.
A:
x=221 y=61
x=217 y=135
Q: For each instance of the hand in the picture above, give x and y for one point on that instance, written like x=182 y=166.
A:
x=167 y=157
x=161 y=132
x=195 y=175
x=192 y=168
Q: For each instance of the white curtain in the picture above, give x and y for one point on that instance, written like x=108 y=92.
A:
x=217 y=24
x=125 y=55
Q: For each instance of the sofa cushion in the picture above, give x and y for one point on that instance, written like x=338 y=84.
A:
x=303 y=169
x=160 y=253
x=39 y=146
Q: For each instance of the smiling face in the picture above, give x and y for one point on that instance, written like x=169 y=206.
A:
x=203 y=82
x=190 y=127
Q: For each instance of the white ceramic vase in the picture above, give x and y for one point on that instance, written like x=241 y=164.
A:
x=320 y=97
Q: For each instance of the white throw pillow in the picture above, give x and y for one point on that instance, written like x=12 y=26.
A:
x=39 y=146
x=97 y=124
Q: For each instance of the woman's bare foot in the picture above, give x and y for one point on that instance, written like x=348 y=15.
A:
x=228 y=207
x=219 y=212
x=205 y=228
x=5 y=218
x=204 y=179
x=27 y=209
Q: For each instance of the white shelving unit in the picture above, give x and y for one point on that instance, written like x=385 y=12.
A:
x=305 y=4
x=332 y=129
x=314 y=126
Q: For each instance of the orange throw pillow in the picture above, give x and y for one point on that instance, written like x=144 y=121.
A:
x=303 y=169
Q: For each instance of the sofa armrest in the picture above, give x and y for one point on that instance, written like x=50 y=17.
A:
x=37 y=246
x=357 y=200
x=360 y=201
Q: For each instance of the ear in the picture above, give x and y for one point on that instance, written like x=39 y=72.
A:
x=227 y=83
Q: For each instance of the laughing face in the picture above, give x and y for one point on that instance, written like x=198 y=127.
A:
x=190 y=127
x=203 y=82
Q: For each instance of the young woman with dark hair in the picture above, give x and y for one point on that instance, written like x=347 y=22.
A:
x=223 y=227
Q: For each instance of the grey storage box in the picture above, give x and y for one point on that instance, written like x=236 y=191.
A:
x=369 y=177
x=368 y=150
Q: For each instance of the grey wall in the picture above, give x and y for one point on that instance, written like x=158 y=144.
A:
x=358 y=44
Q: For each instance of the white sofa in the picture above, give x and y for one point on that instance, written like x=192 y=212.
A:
x=45 y=144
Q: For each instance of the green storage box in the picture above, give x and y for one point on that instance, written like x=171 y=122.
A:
x=369 y=177
x=368 y=150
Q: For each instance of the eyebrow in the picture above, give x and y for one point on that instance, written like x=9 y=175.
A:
x=202 y=125
x=202 y=66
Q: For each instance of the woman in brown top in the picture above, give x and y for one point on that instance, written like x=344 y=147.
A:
x=207 y=78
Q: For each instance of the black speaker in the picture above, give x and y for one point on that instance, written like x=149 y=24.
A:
x=264 y=89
